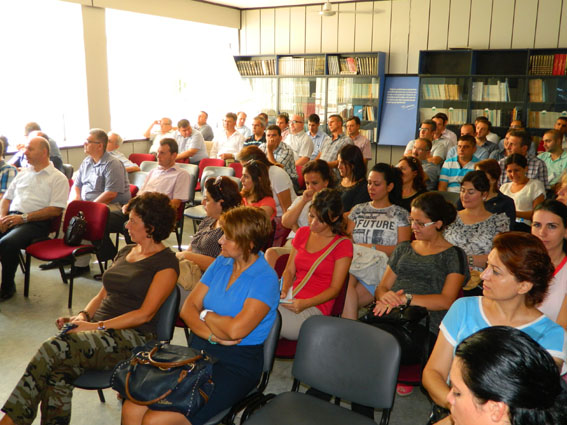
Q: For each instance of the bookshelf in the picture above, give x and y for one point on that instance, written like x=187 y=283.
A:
x=340 y=83
x=503 y=85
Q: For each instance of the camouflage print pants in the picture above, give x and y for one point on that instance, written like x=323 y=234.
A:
x=50 y=374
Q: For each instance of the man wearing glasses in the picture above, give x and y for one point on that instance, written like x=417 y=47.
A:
x=299 y=141
x=165 y=130
x=427 y=130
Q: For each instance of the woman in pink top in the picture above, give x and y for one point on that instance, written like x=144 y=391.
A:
x=326 y=231
x=256 y=189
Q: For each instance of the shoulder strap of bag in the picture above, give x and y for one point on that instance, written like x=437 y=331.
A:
x=315 y=265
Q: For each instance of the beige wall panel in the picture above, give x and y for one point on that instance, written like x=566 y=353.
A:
x=419 y=29
x=399 y=37
x=267 y=31
x=252 y=32
x=459 y=21
x=297 y=36
x=481 y=17
x=195 y=11
x=438 y=24
x=563 y=27
x=346 y=27
x=329 y=34
x=547 y=26
x=282 y=30
x=524 y=24
x=312 y=29
x=502 y=24
x=381 y=29
x=363 y=27
x=242 y=35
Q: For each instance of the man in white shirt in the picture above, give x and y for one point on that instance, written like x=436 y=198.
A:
x=299 y=141
x=353 y=131
x=36 y=195
x=427 y=130
x=441 y=120
x=229 y=142
x=190 y=143
x=241 y=127
x=165 y=130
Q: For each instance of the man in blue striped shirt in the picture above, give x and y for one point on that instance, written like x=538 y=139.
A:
x=454 y=169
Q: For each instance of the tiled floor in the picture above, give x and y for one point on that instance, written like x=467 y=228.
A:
x=25 y=323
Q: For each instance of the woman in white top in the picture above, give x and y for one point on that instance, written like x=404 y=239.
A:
x=525 y=192
x=550 y=225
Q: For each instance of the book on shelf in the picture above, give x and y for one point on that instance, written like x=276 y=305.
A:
x=542 y=119
x=441 y=92
x=498 y=117
x=548 y=64
x=358 y=112
x=499 y=92
x=255 y=67
x=456 y=116
x=369 y=134
x=289 y=65
x=352 y=65
x=536 y=87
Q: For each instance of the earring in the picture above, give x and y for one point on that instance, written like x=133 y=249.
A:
x=149 y=236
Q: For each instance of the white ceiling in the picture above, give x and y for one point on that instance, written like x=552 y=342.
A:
x=253 y=4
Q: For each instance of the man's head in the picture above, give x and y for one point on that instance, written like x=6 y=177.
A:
x=552 y=140
x=167 y=152
x=427 y=130
x=240 y=119
x=264 y=116
x=561 y=125
x=516 y=124
x=421 y=148
x=313 y=123
x=353 y=126
x=202 y=118
x=184 y=128
x=335 y=124
x=37 y=152
x=296 y=124
x=96 y=142
x=518 y=142
x=468 y=129
x=258 y=126
x=274 y=135
x=282 y=121
x=466 y=147
x=482 y=127
x=114 y=141
x=441 y=121
x=229 y=122
x=31 y=126
x=165 y=125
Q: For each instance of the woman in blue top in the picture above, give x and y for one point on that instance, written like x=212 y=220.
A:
x=230 y=313
x=515 y=282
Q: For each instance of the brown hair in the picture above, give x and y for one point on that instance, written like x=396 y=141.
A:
x=261 y=180
x=248 y=227
x=418 y=183
x=525 y=256
x=492 y=168
x=223 y=188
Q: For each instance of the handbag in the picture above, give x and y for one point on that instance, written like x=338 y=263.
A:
x=75 y=230
x=165 y=377
x=189 y=274
x=368 y=265
x=404 y=324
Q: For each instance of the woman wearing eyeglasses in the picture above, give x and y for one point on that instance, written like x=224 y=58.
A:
x=413 y=180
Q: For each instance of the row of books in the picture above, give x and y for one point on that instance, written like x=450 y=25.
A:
x=362 y=65
x=302 y=87
x=540 y=119
x=441 y=92
x=346 y=89
x=302 y=65
x=499 y=92
x=548 y=64
x=365 y=112
x=369 y=134
x=498 y=117
x=536 y=88
x=257 y=67
x=456 y=116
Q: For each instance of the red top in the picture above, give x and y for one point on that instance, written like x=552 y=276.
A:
x=268 y=201
x=321 y=278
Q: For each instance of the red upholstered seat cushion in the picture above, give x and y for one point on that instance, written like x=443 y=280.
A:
x=54 y=249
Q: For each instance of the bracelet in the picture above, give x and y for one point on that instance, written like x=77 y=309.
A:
x=86 y=313
x=210 y=339
x=471 y=261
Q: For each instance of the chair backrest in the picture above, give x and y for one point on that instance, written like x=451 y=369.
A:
x=148 y=166
x=451 y=197
x=167 y=314
x=138 y=178
x=133 y=190
x=214 y=171
x=339 y=304
x=206 y=162
x=348 y=359
x=68 y=170
x=237 y=168
x=138 y=158
x=190 y=168
x=237 y=181
x=55 y=224
x=281 y=262
x=270 y=345
x=96 y=215
x=300 y=179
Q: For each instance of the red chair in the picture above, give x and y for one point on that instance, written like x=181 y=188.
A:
x=54 y=227
x=96 y=215
x=300 y=179
x=138 y=158
x=133 y=190
x=180 y=224
x=237 y=168
x=205 y=162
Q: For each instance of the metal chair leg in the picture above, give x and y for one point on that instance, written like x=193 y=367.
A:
x=101 y=396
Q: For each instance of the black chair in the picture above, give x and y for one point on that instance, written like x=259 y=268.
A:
x=68 y=170
x=227 y=416
x=346 y=358
x=100 y=379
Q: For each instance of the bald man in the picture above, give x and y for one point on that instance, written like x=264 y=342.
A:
x=36 y=195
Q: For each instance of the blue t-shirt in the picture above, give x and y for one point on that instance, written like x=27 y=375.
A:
x=259 y=281
x=466 y=317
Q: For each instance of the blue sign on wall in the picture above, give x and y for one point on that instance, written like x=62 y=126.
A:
x=399 y=110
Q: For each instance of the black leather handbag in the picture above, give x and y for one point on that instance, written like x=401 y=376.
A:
x=165 y=377
x=76 y=229
x=404 y=323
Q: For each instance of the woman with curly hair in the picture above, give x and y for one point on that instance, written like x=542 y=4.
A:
x=413 y=180
x=120 y=317
x=256 y=190
x=515 y=283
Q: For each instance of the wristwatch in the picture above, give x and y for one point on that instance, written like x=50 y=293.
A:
x=25 y=217
x=409 y=297
x=101 y=326
x=204 y=314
